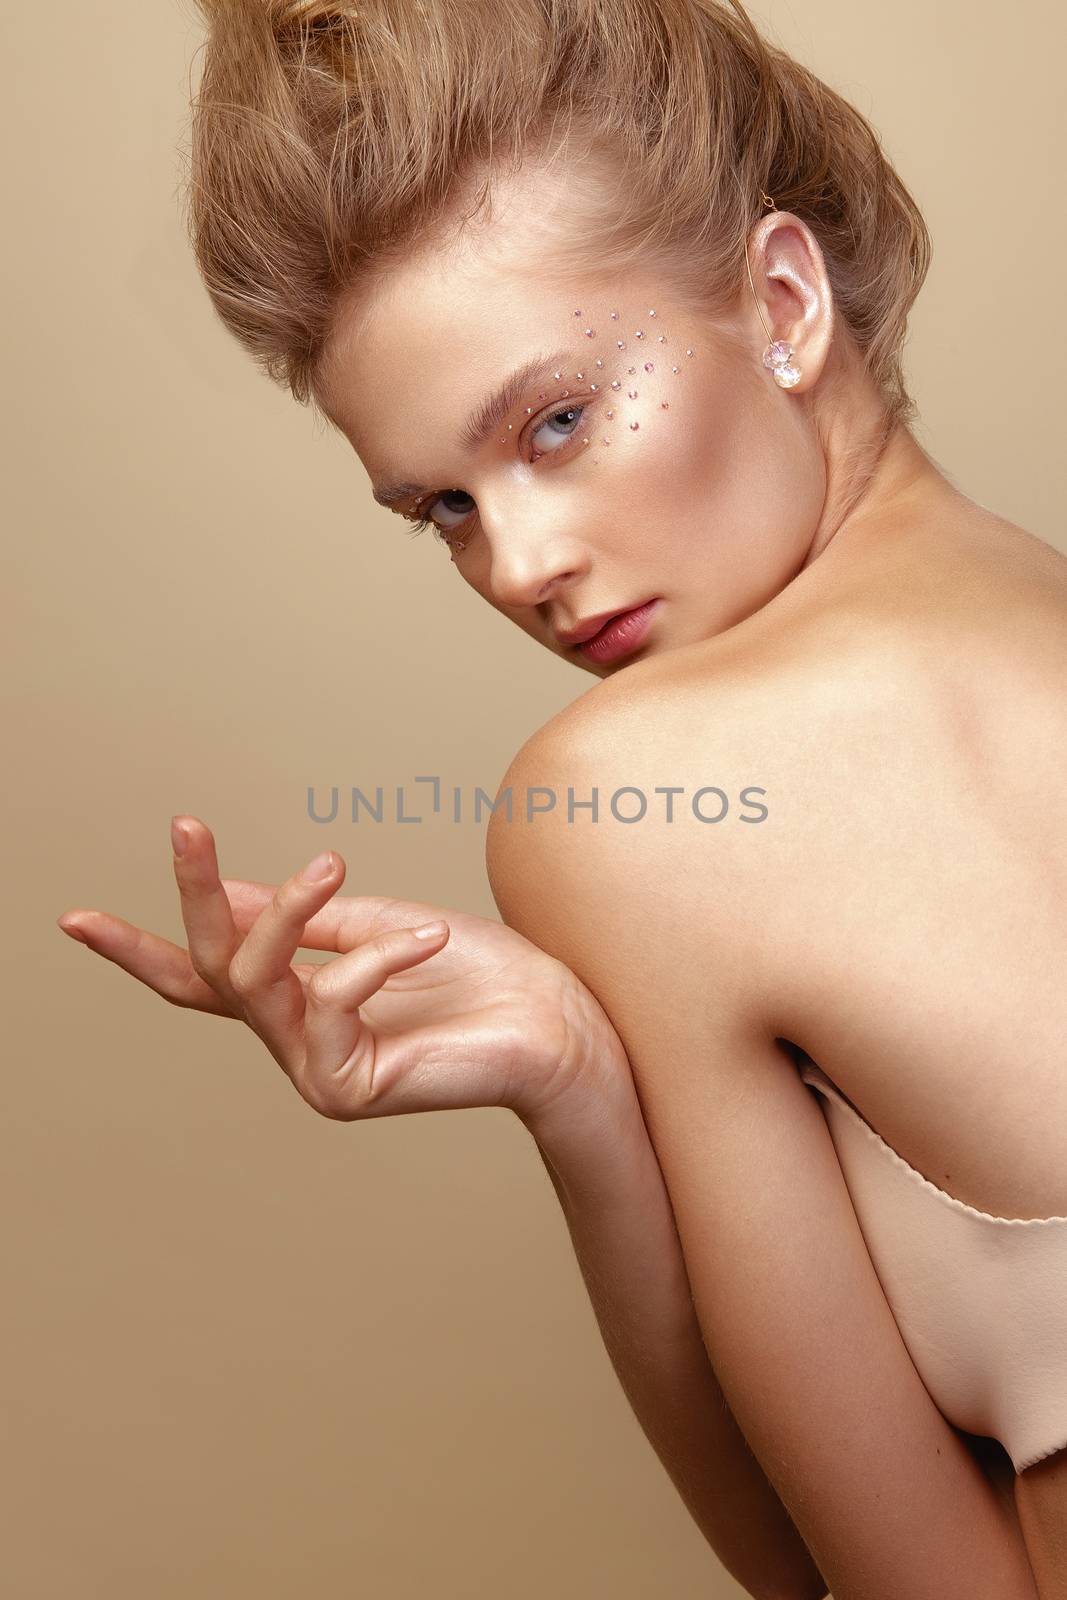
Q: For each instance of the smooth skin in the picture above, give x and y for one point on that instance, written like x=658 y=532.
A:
x=839 y=622
x=709 y=947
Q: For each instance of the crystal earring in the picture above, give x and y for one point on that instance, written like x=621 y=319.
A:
x=778 y=356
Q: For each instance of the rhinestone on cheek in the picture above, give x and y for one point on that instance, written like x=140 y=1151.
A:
x=620 y=344
x=632 y=393
x=614 y=316
x=652 y=313
x=611 y=414
x=664 y=405
x=649 y=367
x=590 y=333
x=600 y=363
x=674 y=369
x=639 y=334
x=615 y=384
x=634 y=427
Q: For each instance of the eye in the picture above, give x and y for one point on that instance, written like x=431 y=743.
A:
x=571 y=418
x=460 y=512
x=559 y=425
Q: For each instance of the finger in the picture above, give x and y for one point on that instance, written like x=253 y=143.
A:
x=340 y=1051
x=162 y=966
x=340 y=925
x=261 y=973
x=213 y=938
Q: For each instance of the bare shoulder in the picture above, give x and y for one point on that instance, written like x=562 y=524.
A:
x=708 y=780
x=816 y=746
x=846 y=821
x=657 y=798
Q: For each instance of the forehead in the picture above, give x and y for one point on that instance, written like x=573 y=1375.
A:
x=420 y=344
x=429 y=330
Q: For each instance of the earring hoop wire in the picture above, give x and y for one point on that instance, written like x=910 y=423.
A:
x=759 y=308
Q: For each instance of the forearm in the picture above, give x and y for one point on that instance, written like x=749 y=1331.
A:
x=605 y=1173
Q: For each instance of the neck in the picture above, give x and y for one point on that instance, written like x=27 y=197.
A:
x=877 y=475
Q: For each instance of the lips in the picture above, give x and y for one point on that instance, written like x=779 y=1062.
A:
x=587 y=630
x=621 y=635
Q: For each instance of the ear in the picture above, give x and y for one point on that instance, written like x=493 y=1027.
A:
x=793 y=291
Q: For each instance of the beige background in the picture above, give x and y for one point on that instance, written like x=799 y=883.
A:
x=249 y=1351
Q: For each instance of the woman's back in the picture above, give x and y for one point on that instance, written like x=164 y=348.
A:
x=903 y=707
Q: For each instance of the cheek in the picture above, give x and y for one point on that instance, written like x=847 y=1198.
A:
x=659 y=455
x=723 y=484
x=684 y=460
x=648 y=381
x=748 y=466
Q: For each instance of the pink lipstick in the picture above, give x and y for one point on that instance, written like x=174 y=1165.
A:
x=622 y=635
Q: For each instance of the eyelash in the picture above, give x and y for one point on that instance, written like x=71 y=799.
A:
x=422 y=523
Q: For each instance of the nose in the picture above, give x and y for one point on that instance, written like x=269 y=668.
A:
x=529 y=564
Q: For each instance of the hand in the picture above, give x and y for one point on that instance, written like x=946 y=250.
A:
x=474 y=1015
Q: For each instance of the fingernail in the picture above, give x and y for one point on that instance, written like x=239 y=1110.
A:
x=318 y=869
x=72 y=929
x=179 y=837
x=430 y=930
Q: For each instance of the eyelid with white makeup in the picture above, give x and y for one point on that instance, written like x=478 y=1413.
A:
x=421 y=522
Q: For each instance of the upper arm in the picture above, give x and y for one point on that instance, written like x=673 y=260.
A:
x=658 y=924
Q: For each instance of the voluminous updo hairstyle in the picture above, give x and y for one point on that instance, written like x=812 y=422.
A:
x=330 y=137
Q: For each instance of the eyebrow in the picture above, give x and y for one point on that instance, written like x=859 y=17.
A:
x=484 y=418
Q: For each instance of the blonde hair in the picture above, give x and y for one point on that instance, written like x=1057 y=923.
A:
x=328 y=139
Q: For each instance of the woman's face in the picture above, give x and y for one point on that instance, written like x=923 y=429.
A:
x=583 y=448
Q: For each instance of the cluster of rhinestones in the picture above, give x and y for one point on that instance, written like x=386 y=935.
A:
x=778 y=357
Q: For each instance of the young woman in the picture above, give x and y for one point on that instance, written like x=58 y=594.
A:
x=612 y=295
